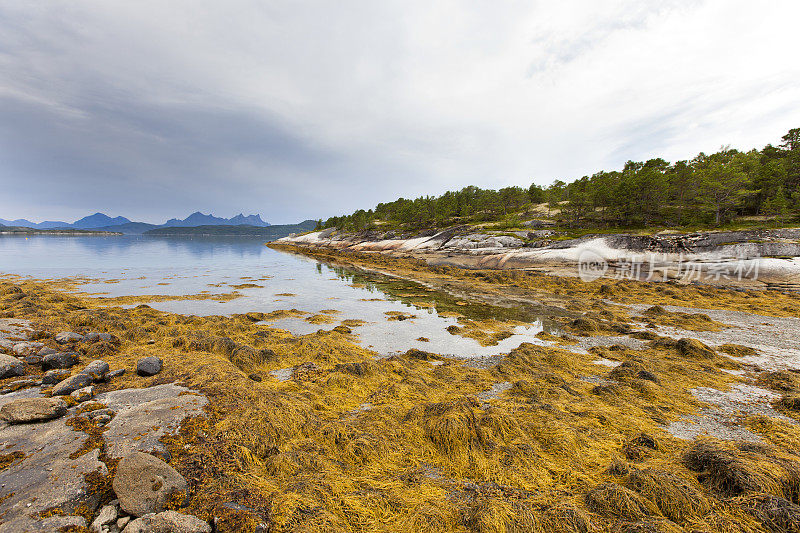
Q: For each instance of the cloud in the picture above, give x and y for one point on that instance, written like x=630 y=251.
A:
x=308 y=109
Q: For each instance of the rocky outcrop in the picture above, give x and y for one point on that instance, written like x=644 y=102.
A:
x=54 y=460
x=765 y=257
x=144 y=484
x=51 y=474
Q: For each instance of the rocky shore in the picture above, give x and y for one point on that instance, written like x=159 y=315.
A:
x=47 y=465
x=641 y=413
x=754 y=258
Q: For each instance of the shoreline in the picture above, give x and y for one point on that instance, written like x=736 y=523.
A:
x=749 y=259
x=553 y=434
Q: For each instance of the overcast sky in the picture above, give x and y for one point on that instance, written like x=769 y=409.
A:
x=295 y=110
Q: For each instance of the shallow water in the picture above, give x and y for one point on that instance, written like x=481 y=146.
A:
x=139 y=265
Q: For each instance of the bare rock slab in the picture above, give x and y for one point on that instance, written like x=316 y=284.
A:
x=145 y=415
x=27 y=410
x=45 y=477
x=168 y=522
x=144 y=483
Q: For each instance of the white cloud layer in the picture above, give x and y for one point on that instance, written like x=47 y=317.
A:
x=153 y=109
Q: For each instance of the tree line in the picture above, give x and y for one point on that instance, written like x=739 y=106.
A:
x=711 y=189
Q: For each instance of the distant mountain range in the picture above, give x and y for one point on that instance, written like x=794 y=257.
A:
x=101 y=221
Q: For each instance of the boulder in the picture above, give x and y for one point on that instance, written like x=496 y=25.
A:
x=144 y=484
x=168 y=522
x=45 y=351
x=51 y=377
x=94 y=336
x=97 y=370
x=10 y=366
x=59 y=360
x=68 y=336
x=149 y=366
x=83 y=395
x=71 y=384
x=26 y=410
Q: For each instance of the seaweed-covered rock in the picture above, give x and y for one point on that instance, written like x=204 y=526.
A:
x=97 y=370
x=694 y=348
x=51 y=377
x=59 y=360
x=71 y=384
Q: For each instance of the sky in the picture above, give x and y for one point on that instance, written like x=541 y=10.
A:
x=303 y=109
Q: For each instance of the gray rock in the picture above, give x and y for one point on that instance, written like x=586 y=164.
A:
x=94 y=336
x=115 y=373
x=20 y=383
x=83 y=395
x=68 y=336
x=32 y=359
x=46 y=477
x=149 y=366
x=97 y=369
x=168 y=522
x=26 y=410
x=149 y=414
x=71 y=384
x=59 y=360
x=107 y=515
x=51 y=377
x=45 y=351
x=10 y=366
x=144 y=484
x=22 y=348
x=122 y=522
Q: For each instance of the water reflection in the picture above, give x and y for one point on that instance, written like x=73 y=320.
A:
x=175 y=266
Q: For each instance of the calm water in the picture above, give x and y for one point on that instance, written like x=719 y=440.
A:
x=138 y=265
